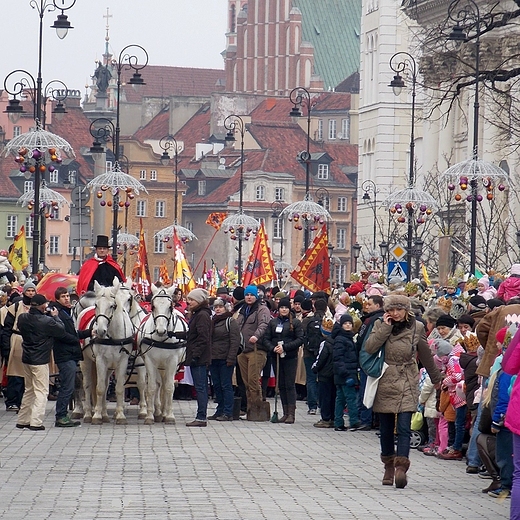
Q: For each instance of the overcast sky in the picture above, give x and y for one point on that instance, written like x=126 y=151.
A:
x=183 y=33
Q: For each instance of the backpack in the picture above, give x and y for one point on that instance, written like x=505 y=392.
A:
x=313 y=335
x=242 y=340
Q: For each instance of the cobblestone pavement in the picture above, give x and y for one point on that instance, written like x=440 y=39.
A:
x=230 y=470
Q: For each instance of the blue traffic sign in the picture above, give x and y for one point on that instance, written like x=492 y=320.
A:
x=398 y=270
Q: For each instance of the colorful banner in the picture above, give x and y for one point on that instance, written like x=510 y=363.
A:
x=141 y=271
x=260 y=266
x=182 y=276
x=163 y=273
x=19 y=257
x=215 y=220
x=313 y=270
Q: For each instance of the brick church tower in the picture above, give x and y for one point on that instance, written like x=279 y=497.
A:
x=265 y=53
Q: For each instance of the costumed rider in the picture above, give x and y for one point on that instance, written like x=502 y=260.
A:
x=100 y=268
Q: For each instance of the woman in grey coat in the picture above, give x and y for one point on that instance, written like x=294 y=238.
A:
x=404 y=339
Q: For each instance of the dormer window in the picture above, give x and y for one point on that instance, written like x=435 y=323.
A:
x=201 y=188
x=260 y=193
x=323 y=171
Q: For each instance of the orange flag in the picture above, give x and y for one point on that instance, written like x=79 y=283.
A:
x=215 y=220
x=260 y=266
x=313 y=270
x=163 y=273
x=141 y=271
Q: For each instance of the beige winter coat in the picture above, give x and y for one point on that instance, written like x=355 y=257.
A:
x=15 y=365
x=398 y=389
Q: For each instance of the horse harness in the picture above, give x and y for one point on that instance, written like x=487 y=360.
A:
x=163 y=344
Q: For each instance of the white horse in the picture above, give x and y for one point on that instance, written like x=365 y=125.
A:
x=111 y=347
x=161 y=340
x=84 y=403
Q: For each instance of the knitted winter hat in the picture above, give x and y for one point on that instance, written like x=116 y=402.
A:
x=446 y=321
x=284 y=302
x=28 y=285
x=238 y=293
x=219 y=302
x=279 y=295
x=252 y=290
x=373 y=278
x=299 y=298
x=344 y=318
x=443 y=347
x=306 y=305
x=198 y=295
x=485 y=282
x=478 y=302
x=297 y=293
x=396 y=301
x=495 y=302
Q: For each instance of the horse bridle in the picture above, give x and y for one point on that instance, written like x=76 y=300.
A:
x=162 y=294
x=109 y=319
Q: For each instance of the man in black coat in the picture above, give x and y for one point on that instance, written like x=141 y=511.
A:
x=375 y=311
x=39 y=328
x=67 y=353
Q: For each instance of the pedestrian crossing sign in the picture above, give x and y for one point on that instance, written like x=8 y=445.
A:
x=397 y=270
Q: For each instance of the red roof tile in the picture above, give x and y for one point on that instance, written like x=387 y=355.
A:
x=162 y=81
x=74 y=128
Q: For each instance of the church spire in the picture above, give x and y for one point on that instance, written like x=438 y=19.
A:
x=107 y=57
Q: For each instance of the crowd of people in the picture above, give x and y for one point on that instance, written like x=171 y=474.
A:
x=450 y=354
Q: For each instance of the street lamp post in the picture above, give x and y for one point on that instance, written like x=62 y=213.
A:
x=277 y=208
x=383 y=248
x=301 y=97
x=470 y=11
x=330 y=250
x=399 y=63
x=240 y=226
x=356 y=250
x=469 y=172
x=62 y=25
x=127 y=60
x=418 y=248
x=367 y=187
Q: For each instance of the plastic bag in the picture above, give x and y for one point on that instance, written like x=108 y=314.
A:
x=417 y=421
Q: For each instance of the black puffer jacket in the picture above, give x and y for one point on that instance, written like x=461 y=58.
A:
x=198 y=340
x=38 y=333
x=291 y=335
x=323 y=366
x=345 y=357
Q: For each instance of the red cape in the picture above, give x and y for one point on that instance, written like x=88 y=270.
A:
x=89 y=268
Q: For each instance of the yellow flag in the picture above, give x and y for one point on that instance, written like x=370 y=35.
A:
x=18 y=257
x=425 y=274
x=182 y=275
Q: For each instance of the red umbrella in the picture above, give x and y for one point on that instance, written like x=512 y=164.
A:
x=51 y=281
